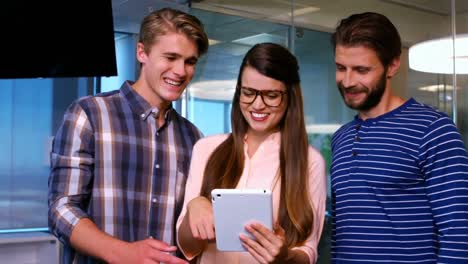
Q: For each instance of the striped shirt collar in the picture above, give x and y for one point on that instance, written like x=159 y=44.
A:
x=388 y=114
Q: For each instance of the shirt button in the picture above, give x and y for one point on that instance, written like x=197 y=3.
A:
x=156 y=166
x=157 y=133
x=356 y=138
x=358 y=127
x=355 y=153
x=154 y=200
x=142 y=115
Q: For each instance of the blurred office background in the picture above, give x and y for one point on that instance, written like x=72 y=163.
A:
x=32 y=108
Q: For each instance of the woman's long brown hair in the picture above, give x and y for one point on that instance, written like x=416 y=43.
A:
x=225 y=165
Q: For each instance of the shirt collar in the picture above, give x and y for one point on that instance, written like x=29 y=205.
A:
x=397 y=110
x=139 y=105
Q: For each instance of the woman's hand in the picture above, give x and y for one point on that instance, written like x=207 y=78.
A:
x=200 y=216
x=268 y=246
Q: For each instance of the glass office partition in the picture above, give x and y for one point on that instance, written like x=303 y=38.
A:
x=31 y=110
x=460 y=21
x=305 y=26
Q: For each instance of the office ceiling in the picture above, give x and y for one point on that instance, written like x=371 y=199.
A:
x=417 y=20
x=312 y=14
x=440 y=7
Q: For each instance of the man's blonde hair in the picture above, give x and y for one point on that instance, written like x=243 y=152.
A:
x=166 y=20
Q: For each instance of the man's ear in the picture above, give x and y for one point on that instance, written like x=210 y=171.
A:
x=141 y=53
x=393 y=67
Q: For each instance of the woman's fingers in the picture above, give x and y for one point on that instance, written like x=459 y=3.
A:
x=255 y=249
x=268 y=246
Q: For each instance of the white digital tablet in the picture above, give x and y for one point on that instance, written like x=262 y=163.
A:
x=233 y=209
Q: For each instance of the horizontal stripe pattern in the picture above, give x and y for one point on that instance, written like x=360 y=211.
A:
x=400 y=189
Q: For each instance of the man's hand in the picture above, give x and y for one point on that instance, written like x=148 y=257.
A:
x=147 y=251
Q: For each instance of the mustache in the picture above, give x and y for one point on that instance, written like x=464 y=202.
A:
x=352 y=89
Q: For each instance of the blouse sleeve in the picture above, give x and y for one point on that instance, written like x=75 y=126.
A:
x=200 y=154
x=318 y=196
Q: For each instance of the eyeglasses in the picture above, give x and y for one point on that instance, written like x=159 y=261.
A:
x=270 y=98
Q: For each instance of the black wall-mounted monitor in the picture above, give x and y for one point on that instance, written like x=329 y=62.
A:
x=56 y=38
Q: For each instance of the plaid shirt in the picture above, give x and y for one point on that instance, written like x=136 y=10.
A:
x=111 y=163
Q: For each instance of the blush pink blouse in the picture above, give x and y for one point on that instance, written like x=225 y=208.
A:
x=259 y=172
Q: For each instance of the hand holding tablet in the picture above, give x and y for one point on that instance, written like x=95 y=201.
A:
x=233 y=209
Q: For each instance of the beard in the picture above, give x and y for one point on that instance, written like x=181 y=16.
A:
x=373 y=97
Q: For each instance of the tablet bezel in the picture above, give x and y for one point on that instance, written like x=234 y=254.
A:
x=233 y=209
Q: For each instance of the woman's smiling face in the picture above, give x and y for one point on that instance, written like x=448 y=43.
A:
x=262 y=119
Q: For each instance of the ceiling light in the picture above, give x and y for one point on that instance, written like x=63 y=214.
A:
x=213 y=42
x=305 y=10
x=259 y=38
x=436 y=56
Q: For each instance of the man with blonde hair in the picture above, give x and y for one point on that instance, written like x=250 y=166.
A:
x=119 y=160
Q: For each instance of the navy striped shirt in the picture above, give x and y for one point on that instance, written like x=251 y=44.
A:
x=110 y=162
x=400 y=189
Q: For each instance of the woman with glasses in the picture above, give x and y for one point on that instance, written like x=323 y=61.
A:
x=267 y=149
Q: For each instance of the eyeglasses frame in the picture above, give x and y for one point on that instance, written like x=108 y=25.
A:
x=261 y=92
